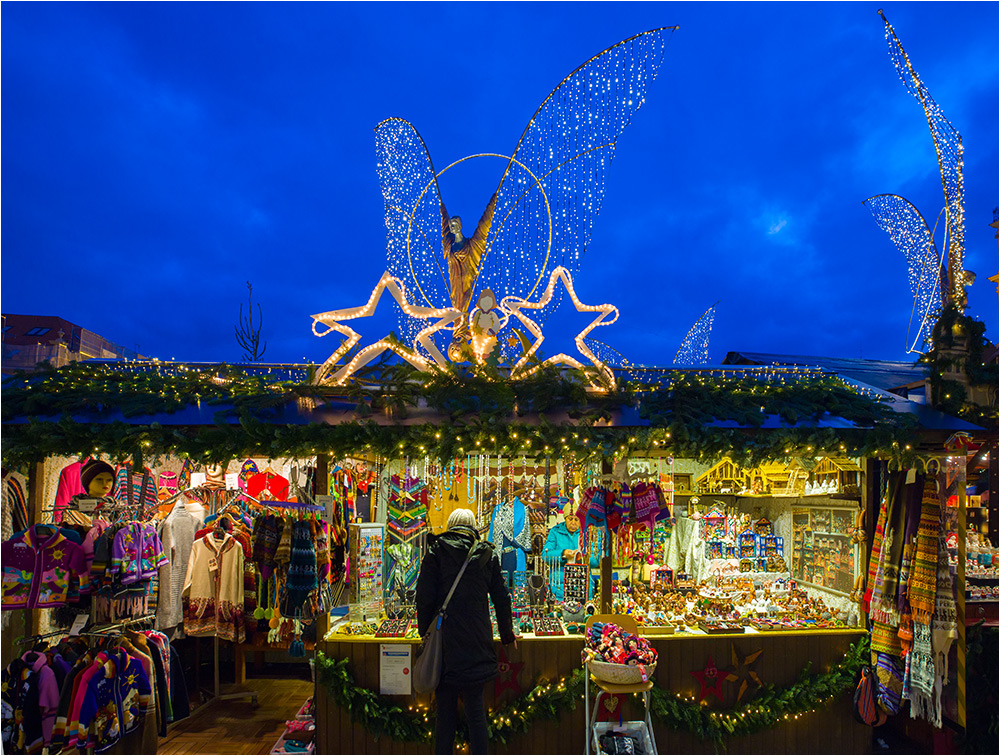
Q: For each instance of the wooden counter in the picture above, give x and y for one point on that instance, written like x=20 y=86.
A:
x=785 y=654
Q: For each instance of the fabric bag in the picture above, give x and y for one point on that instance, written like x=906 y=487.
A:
x=430 y=658
x=619 y=742
x=865 y=708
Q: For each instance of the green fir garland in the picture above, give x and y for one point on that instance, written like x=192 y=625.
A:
x=769 y=707
x=694 y=415
x=379 y=715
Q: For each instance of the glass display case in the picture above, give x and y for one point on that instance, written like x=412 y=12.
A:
x=824 y=554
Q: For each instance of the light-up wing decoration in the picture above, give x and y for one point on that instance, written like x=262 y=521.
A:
x=567 y=145
x=694 y=348
x=948 y=146
x=909 y=232
x=412 y=217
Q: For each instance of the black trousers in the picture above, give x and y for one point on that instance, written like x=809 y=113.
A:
x=447 y=717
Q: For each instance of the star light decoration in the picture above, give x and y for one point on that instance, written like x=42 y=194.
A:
x=442 y=317
x=514 y=305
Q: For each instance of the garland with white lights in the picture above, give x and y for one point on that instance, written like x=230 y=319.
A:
x=689 y=415
x=379 y=715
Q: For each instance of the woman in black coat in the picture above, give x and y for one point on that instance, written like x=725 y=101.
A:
x=470 y=659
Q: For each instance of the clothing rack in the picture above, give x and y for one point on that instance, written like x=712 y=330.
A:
x=104 y=630
x=216 y=693
x=42 y=636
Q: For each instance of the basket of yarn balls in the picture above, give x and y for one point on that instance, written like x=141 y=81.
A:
x=616 y=656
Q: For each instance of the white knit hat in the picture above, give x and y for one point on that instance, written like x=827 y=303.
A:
x=462 y=517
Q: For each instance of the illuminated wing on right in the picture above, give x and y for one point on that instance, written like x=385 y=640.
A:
x=909 y=232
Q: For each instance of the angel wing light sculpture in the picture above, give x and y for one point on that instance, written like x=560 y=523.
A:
x=935 y=278
x=540 y=217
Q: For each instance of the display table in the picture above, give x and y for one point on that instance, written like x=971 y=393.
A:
x=783 y=657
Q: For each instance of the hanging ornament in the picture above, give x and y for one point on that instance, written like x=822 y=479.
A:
x=710 y=679
x=741 y=671
x=507 y=679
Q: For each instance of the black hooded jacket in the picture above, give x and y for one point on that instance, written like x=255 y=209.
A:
x=467 y=635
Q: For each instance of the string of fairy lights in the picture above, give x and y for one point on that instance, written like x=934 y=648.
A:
x=550 y=192
x=948 y=146
x=694 y=346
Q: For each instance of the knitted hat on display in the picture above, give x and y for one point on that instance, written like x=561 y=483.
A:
x=92 y=469
x=462 y=517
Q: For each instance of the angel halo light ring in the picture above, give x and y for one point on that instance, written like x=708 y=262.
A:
x=534 y=178
x=560 y=161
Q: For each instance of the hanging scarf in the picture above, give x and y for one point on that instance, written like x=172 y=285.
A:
x=909 y=545
x=885 y=639
x=890 y=578
x=905 y=632
x=877 y=547
x=944 y=630
x=923 y=582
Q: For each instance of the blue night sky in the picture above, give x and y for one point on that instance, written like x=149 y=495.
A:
x=158 y=156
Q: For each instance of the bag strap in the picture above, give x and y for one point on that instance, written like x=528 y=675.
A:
x=457 y=578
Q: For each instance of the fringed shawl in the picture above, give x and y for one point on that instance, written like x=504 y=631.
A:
x=922 y=586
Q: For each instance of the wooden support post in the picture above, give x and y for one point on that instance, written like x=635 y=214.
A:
x=240 y=660
x=322 y=488
x=607 y=568
x=36 y=498
x=960 y=591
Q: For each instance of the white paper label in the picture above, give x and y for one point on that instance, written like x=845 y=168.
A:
x=232 y=481
x=197 y=479
x=78 y=623
x=911 y=476
x=394 y=669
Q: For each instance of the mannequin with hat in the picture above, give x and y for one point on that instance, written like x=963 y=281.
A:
x=98 y=478
x=562 y=546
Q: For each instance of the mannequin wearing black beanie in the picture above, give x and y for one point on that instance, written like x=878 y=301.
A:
x=98 y=478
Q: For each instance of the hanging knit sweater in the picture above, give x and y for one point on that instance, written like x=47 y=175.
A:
x=213 y=589
x=177 y=536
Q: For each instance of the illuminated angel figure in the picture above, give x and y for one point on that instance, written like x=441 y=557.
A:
x=935 y=278
x=542 y=212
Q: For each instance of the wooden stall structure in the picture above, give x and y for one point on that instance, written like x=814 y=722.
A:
x=782 y=658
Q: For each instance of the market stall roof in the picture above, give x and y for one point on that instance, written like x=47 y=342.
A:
x=883 y=374
x=336 y=409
